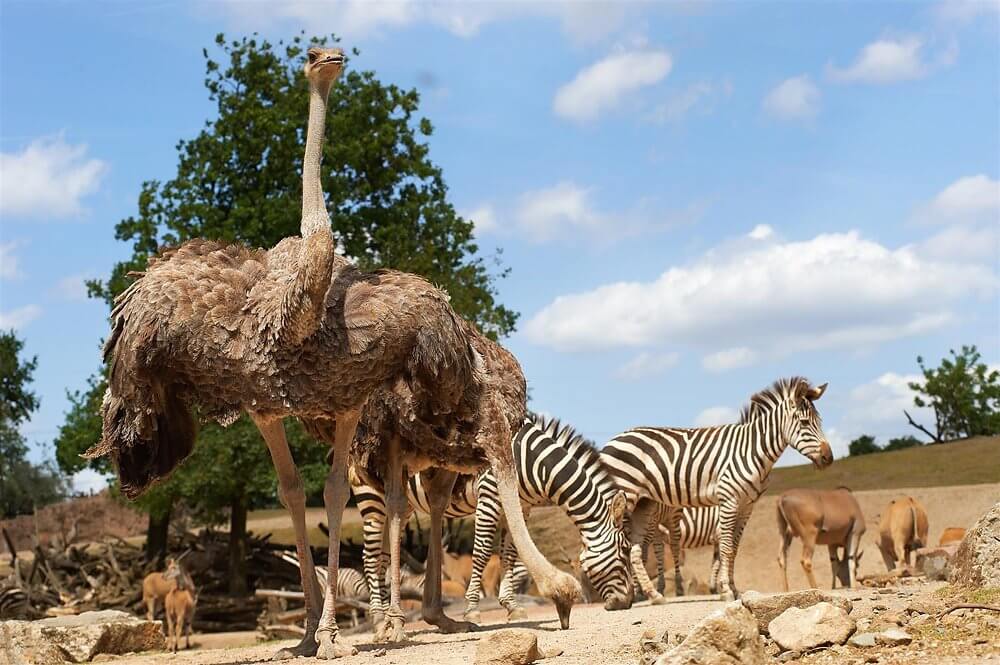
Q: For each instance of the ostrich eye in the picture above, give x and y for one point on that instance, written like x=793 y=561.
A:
x=312 y=56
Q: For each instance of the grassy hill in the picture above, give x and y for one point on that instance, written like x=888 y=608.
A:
x=970 y=462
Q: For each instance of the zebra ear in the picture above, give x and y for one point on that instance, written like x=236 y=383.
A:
x=618 y=508
x=814 y=394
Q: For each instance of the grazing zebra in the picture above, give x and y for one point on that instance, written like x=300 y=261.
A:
x=699 y=528
x=725 y=465
x=14 y=603
x=555 y=466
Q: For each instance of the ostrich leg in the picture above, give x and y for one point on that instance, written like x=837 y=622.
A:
x=560 y=588
x=396 y=505
x=440 y=484
x=294 y=499
x=335 y=495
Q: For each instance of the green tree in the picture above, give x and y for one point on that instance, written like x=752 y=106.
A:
x=23 y=485
x=240 y=179
x=863 y=445
x=964 y=394
x=901 y=442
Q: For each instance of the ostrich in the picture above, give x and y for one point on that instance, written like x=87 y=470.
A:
x=293 y=331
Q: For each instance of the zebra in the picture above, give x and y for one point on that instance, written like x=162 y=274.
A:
x=555 y=466
x=725 y=465
x=699 y=527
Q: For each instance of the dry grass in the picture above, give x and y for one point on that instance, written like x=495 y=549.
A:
x=971 y=462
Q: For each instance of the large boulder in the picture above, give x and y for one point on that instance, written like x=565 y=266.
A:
x=725 y=637
x=977 y=561
x=798 y=629
x=935 y=562
x=511 y=646
x=78 y=638
x=767 y=607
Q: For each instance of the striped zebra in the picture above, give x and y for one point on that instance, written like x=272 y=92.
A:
x=699 y=528
x=555 y=466
x=725 y=465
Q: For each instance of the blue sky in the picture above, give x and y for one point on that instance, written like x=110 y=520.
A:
x=694 y=198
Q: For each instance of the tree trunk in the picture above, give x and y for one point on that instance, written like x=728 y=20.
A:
x=156 y=537
x=238 y=548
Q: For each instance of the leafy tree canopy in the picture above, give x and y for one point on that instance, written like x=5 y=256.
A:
x=964 y=394
x=863 y=445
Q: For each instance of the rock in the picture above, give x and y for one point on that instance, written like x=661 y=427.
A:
x=725 y=637
x=511 y=646
x=892 y=617
x=765 y=608
x=935 y=562
x=652 y=645
x=79 y=638
x=863 y=640
x=894 y=637
x=925 y=606
x=789 y=656
x=977 y=561
x=921 y=620
x=798 y=629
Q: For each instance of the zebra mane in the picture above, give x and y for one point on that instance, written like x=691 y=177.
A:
x=764 y=401
x=578 y=446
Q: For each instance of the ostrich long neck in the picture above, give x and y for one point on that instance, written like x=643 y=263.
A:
x=314 y=215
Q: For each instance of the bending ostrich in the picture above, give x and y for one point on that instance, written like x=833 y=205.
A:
x=293 y=331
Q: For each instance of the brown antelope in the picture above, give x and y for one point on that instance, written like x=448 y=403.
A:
x=179 y=607
x=821 y=517
x=902 y=529
x=953 y=534
x=156 y=586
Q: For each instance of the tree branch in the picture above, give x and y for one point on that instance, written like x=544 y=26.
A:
x=923 y=429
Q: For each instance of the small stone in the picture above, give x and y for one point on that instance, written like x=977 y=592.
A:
x=863 y=640
x=652 y=645
x=725 y=637
x=892 y=617
x=803 y=629
x=864 y=624
x=871 y=658
x=893 y=637
x=511 y=646
x=767 y=607
x=879 y=608
x=886 y=592
x=789 y=656
x=378 y=653
x=921 y=620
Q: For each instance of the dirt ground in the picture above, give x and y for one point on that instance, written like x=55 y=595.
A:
x=597 y=637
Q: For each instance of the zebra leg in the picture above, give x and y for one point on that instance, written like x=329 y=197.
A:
x=713 y=582
x=506 y=595
x=395 y=499
x=640 y=519
x=728 y=518
x=741 y=523
x=439 y=484
x=487 y=520
x=373 y=519
x=673 y=520
x=661 y=563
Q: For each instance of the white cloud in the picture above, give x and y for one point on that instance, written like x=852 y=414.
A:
x=968 y=198
x=761 y=232
x=835 y=290
x=965 y=11
x=9 y=268
x=891 y=60
x=484 y=217
x=876 y=408
x=88 y=481
x=727 y=359
x=716 y=415
x=647 y=365
x=19 y=317
x=583 y=22
x=701 y=94
x=603 y=86
x=797 y=97
x=49 y=178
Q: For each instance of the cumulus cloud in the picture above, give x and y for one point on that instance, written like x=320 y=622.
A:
x=646 y=365
x=967 y=199
x=716 y=415
x=727 y=359
x=19 y=317
x=876 y=407
x=969 y=212
x=771 y=297
x=49 y=178
x=794 y=98
x=9 y=268
x=965 y=11
x=761 y=232
x=603 y=86
x=891 y=60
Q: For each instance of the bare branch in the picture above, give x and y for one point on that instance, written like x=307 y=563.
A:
x=923 y=429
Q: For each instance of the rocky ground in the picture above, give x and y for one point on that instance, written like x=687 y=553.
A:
x=597 y=637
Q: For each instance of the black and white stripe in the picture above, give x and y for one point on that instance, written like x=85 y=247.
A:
x=699 y=527
x=726 y=465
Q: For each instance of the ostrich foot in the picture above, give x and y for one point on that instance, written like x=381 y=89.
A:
x=516 y=614
x=329 y=648
x=306 y=648
x=391 y=631
x=473 y=616
x=447 y=625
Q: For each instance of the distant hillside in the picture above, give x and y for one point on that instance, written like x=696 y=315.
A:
x=969 y=462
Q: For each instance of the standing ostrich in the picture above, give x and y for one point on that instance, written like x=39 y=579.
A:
x=293 y=331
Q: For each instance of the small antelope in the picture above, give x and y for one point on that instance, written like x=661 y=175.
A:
x=156 y=586
x=903 y=528
x=179 y=607
x=953 y=534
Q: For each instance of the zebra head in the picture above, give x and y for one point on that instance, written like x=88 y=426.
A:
x=606 y=563
x=804 y=429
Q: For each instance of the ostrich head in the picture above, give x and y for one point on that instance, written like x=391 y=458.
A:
x=324 y=64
